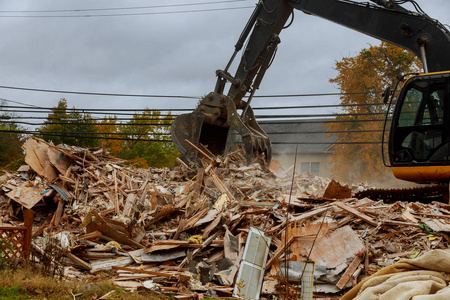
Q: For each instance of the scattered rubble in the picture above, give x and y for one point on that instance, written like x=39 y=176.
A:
x=222 y=229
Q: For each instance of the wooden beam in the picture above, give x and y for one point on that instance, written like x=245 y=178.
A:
x=279 y=252
x=357 y=213
x=204 y=154
x=144 y=271
x=28 y=223
x=350 y=270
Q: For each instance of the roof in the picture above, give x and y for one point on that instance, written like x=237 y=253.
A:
x=310 y=134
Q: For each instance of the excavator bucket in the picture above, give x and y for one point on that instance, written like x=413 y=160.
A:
x=196 y=128
x=192 y=127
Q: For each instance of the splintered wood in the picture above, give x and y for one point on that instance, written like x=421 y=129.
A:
x=185 y=228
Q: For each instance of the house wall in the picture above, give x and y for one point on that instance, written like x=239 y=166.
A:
x=287 y=161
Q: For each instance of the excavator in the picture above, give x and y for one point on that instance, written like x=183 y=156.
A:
x=419 y=136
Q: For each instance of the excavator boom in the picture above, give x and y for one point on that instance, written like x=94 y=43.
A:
x=222 y=112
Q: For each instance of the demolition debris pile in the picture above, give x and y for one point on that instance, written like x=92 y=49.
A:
x=220 y=229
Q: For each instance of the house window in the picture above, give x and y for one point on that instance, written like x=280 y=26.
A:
x=311 y=167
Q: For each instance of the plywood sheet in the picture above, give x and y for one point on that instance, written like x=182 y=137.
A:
x=36 y=157
x=27 y=196
x=58 y=160
x=335 y=248
x=437 y=225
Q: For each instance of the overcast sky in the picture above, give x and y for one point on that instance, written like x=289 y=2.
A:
x=160 y=52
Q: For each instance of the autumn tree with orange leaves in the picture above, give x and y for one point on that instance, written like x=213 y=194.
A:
x=360 y=80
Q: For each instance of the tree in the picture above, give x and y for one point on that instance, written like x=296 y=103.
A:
x=11 y=154
x=144 y=141
x=108 y=129
x=145 y=146
x=69 y=126
x=368 y=73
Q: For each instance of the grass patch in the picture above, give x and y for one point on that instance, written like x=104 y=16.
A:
x=29 y=283
x=9 y=293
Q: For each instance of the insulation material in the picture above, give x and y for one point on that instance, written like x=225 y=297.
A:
x=307 y=281
x=251 y=271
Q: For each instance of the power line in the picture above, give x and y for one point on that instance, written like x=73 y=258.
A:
x=168 y=134
x=118 y=8
x=167 y=119
x=128 y=14
x=17 y=102
x=67 y=120
x=175 y=96
x=53 y=109
x=316 y=94
x=105 y=133
x=159 y=124
x=86 y=124
x=68 y=111
x=102 y=110
x=322 y=121
x=81 y=135
x=96 y=94
x=299 y=121
x=171 y=117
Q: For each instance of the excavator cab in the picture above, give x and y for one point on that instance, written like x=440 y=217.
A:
x=419 y=143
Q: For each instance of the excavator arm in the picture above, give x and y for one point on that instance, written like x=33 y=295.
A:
x=218 y=112
x=428 y=39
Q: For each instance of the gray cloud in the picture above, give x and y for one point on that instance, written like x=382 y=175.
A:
x=173 y=54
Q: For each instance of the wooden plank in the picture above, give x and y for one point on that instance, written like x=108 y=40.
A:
x=58 y=213
x=204 y=154
x=154 y=248
x=211 y=226
x=98 y=255
x=234 y=270
x=129 y=204
x=199 y=181
x=103 y=265
x=162 y=256
x=437 y=225
x=204 y=244
x=407 y=216
x=28 y=223
x=220 y=185
x=350 y=270
x=181 y=227
x=400 y=223
x=309 y=214
x=227 y=245
x=66 y=179
x=279 y=252
x=99 y=224
x=40 y=230
x=357 y=213
x=144 y=272
x=116 y=195
x=78 y=261
x=209 y=217
x=191 y=222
